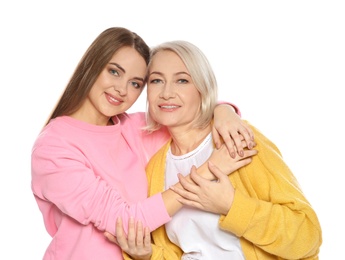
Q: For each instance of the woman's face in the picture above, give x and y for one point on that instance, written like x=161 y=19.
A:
x=174 y=101
x=116 y=89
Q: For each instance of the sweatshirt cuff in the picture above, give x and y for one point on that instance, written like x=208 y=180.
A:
x=158 y=214
x=237 y=110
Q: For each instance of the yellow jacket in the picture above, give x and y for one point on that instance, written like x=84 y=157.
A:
x=269 y=214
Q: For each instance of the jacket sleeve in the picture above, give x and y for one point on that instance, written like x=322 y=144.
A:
x=269 y=208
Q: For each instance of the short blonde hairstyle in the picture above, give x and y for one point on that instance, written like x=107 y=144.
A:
x=202 y=75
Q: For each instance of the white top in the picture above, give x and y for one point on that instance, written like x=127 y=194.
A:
x=196 y=232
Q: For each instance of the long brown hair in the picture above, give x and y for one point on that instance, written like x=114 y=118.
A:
x=92 y=63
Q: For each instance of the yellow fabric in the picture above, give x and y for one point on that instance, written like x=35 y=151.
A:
x=269 y=214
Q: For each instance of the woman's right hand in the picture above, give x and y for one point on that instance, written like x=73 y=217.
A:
x=212 y=196
x=222 y=159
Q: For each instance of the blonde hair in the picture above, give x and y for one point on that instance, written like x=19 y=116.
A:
x=202 y=75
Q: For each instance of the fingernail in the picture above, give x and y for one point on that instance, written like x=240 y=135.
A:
x=232 y=155
x=241 y=153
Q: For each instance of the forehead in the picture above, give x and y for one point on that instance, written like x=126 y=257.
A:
x=167 y=59
x=130 y=60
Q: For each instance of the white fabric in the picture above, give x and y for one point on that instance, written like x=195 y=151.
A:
x=196 y=232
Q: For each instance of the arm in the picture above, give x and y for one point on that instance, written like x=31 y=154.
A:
x=266 y=208
x=219 y=157
x=171 y=199
x=61 y=176
x=276 y=216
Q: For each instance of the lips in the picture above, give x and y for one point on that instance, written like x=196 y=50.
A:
x=169 y=106
x=113 y=100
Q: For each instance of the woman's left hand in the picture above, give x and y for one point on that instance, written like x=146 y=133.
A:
x=137 y=244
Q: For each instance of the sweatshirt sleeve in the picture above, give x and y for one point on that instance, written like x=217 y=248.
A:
x=237 y=110
x=269 y=208
x=64 y=181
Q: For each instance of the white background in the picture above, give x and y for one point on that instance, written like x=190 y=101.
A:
x=281 y=62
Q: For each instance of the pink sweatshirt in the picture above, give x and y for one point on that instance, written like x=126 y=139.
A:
x=85 y=176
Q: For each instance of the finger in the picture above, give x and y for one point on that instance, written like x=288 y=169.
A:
x=250 y=153
x=184 y=193
x=216 y=171
x=147 y=238
x=248 y=135
x=110 y=237
x=216 y=137
x=140 y=234
x=229 y=139
x=190 y=203
x=120 y=234
x=197 y=179
x=131 y=233
x=237 y=142
x=243 y=162
x=186 y=185
x=119 y=227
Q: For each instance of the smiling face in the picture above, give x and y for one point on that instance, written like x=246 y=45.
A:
x=116 y=89
x=174 y=101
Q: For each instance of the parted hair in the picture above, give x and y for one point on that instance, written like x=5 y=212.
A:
x=91 y=65
x=202 y=75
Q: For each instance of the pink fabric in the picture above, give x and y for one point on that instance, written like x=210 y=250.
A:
x=85 y=176
x=237 y=110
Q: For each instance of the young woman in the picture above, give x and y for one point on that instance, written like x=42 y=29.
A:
x=263 y=211
x=88 y=163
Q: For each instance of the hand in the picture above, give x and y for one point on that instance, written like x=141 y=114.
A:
x=212 y=196
x=226 y=163
x=229 y=128
x=138 y=242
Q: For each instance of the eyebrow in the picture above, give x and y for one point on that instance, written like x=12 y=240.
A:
x=124 y=71
x=178 y=73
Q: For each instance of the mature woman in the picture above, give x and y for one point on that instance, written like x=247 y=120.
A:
x=263 y=211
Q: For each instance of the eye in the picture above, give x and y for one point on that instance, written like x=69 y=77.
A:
x=135 y=84
x=114 y=72
x=182 y=81
x=155 y=81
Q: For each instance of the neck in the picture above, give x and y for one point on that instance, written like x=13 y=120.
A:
x=186 y=141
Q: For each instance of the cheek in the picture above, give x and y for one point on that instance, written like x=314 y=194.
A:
x=134 y=94
x=192 y=97
x=151 y=95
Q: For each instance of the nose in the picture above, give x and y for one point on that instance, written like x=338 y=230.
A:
x=168 y=91
x=121 y=87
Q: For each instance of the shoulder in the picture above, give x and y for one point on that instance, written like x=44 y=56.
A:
x=138 y=118
x=263 y=142
x=159 y=158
